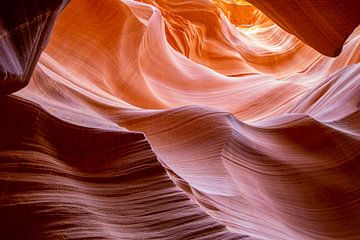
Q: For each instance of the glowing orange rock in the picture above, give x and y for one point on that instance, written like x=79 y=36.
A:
x=185 y=120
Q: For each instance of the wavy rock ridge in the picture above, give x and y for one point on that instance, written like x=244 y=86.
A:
x=180 y=119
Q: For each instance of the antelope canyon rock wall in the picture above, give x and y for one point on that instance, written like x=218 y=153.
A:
x=180 y=119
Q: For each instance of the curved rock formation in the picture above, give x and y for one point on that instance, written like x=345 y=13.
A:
x=323 y=25
x=25 y=27
x=180 y=119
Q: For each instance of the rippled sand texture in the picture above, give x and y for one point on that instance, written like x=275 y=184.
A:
x=160 y=119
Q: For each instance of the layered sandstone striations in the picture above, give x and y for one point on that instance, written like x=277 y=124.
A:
x=187 y=120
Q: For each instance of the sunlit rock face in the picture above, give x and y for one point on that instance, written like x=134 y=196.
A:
x=161 y=119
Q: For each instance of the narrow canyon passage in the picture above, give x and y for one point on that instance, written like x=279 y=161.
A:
x=180 y=119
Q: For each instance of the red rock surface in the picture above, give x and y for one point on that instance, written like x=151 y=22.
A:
x=323 y=25
x=187 y=120
x=25 y=27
